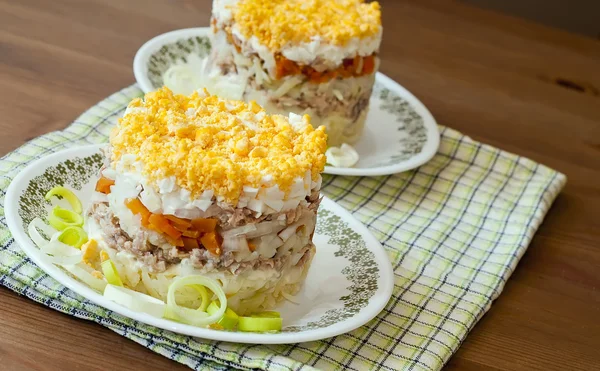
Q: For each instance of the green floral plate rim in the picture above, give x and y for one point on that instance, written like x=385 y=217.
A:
x=400 y=133
x=350 y=280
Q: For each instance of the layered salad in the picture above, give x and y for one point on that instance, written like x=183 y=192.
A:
x=214 y=187
x=316 y=57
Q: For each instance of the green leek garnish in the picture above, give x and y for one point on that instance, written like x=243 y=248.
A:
x=229 y=319
x=67 y=195
x=60 y=218
x=73 y=236
x=205 y=297
x=259 y=324
x=193 y=316
x=266 y=314
x=110 y=273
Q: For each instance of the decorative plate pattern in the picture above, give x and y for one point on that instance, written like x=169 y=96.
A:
x=344 y=248
x=400 y=133
x=408 y=119
x=362 y=270
x=74 y=173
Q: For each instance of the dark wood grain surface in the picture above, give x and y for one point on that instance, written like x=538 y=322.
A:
x=516 y=85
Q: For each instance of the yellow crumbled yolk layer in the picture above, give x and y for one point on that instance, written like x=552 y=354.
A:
x=278 y=22
x=209 y=143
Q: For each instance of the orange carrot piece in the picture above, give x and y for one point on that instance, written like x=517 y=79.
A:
x=190 y=243
x=355 y=62
x=179 y=223
x=251 y=246
x=103 y=185
x=191 y=233
x=210 y=241
x=178 y=228
x=164 y=226
x=369 y=65
x=204 y=225
x=137 y=207
x=175 y=242
x=285 y=67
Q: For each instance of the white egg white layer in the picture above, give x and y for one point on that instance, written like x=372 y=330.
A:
x=166 y=197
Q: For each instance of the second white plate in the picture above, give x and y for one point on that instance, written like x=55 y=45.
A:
x=400 y=133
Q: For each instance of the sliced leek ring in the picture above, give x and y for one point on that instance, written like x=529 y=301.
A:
x=344 y=156
x=61 y=254
x=82 y=272
x=259 y=324
x=34 y=228
x=73 y=236
x=111 y=274
x=193 y=316
x=266 y=314
x=60 y=218
x=205 y=297
x=135 y=300
x=181 y=79
x=67 y=195
x=229 y=319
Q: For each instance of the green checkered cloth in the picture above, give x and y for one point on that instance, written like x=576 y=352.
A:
x=454 y=230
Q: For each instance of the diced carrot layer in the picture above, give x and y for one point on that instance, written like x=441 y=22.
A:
x=211 y=243
x=369 y=65
x=204 y=225
x=191 y=233
x=178 y=223
x=154 y=228
x=190 y=243
x=103 y=185
x=175 y=241
x=357 y=66
x=164 y=226
x=137 y=207
x=188 y=234
x=286 y=67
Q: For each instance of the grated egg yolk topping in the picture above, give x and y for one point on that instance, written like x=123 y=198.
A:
x=279 y=22
x=209 y=143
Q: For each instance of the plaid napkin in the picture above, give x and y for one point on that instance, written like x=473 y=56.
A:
x=454 y=230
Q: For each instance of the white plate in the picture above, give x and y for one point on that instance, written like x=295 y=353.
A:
x=400 y=133
x=349 y=282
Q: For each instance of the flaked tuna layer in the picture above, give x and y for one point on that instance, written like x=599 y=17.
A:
x=159 y=258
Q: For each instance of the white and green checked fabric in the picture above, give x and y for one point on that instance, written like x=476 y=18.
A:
x=454 y=230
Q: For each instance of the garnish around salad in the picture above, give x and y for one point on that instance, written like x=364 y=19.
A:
x=343 y=156
x=63 y=241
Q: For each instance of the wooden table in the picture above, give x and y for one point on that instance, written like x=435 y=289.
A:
x=525 y=88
